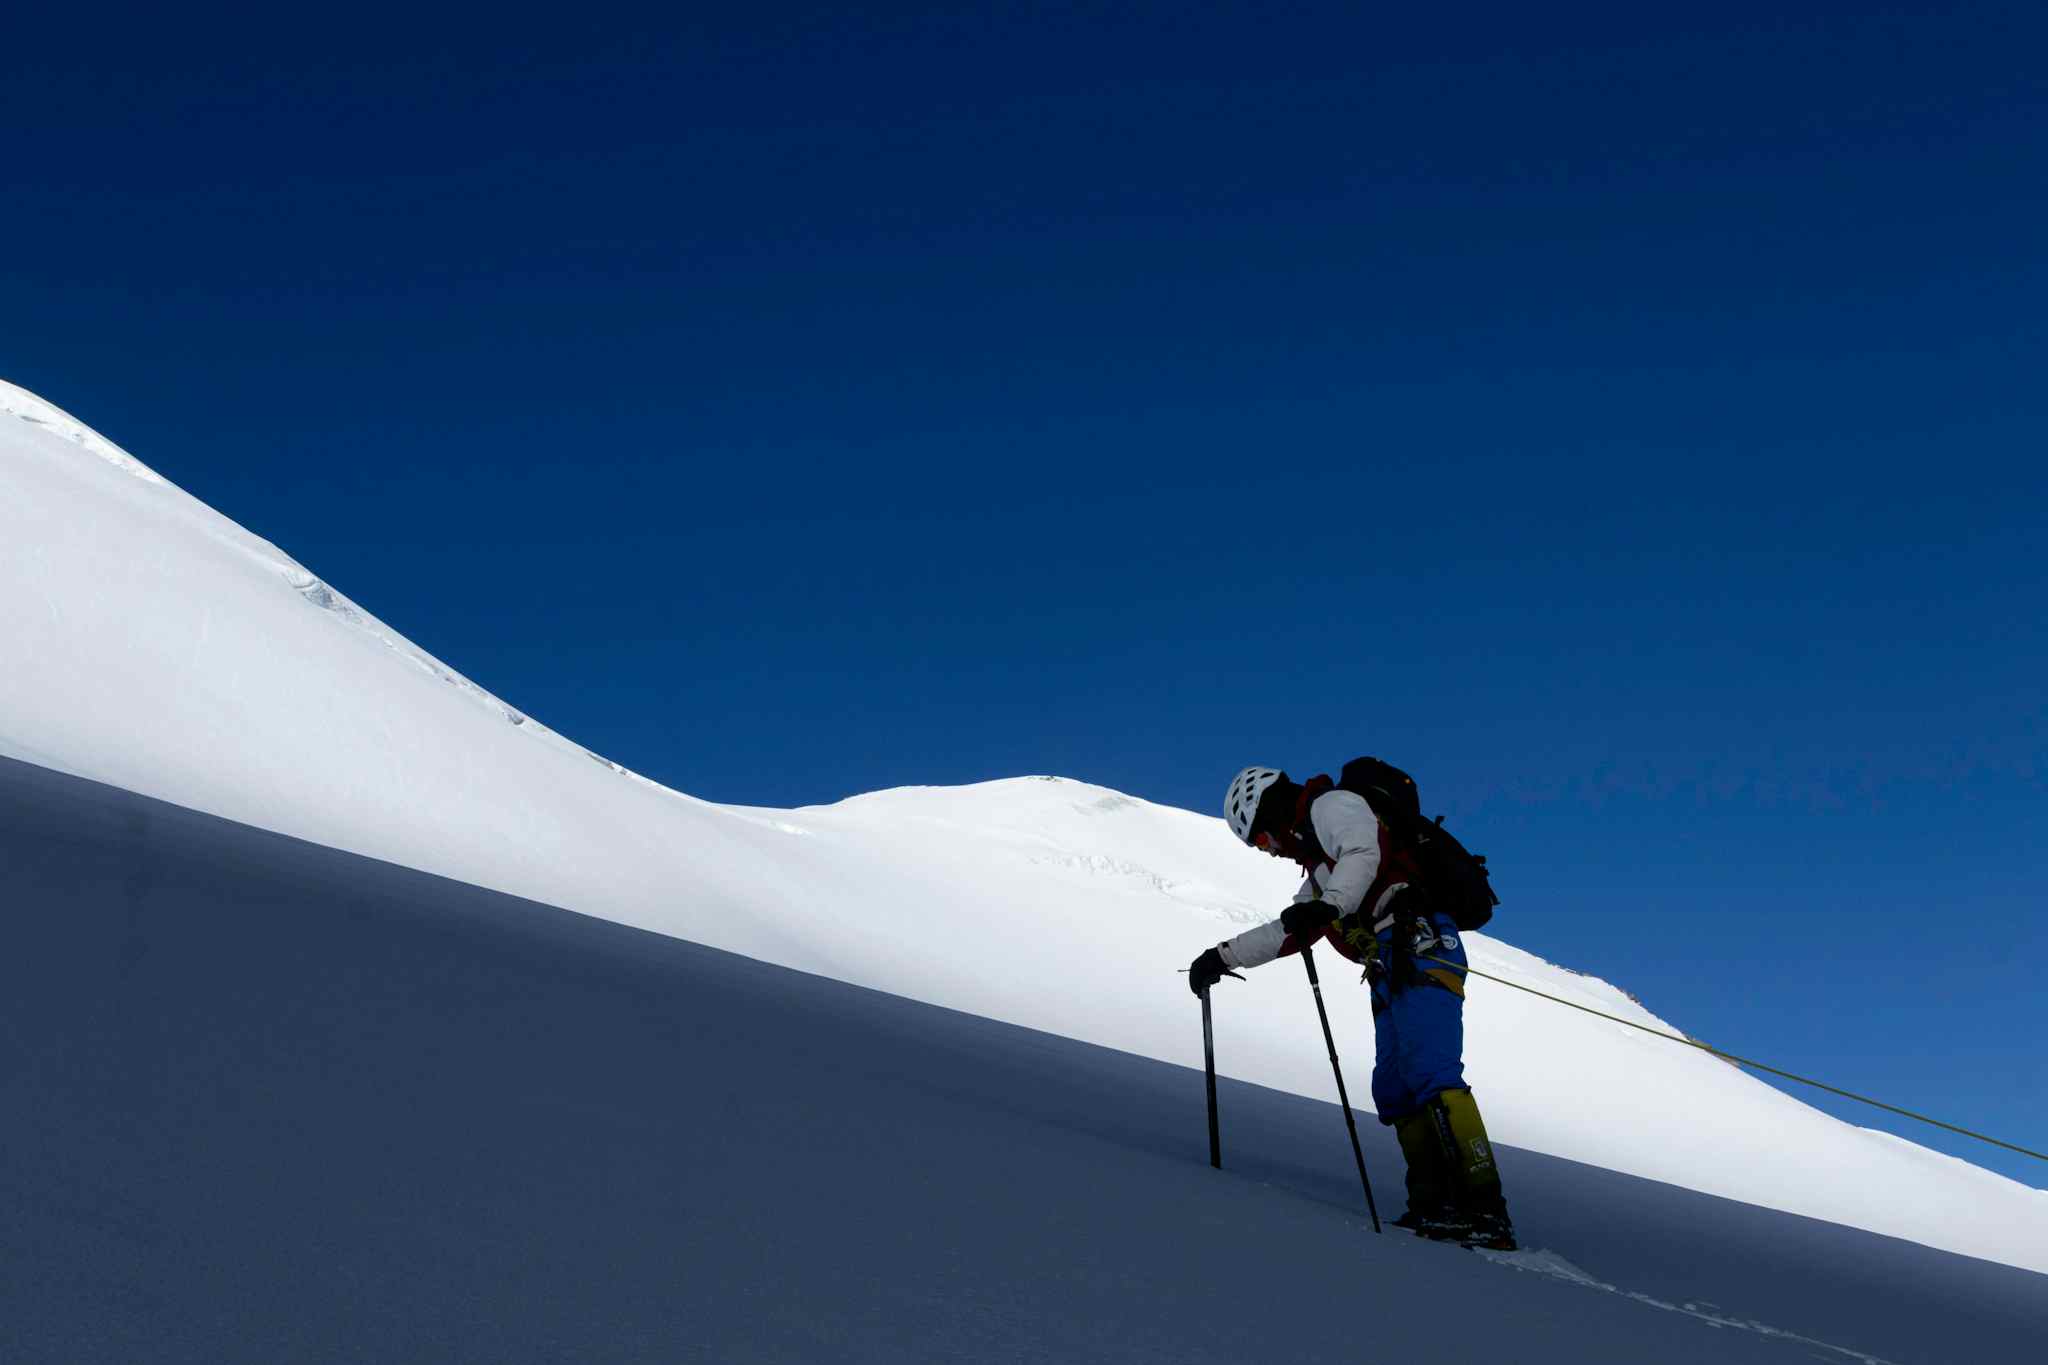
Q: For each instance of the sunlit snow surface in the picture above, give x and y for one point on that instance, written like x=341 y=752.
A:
x=158 y=647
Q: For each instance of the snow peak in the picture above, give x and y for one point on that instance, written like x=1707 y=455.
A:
x=1456 y=879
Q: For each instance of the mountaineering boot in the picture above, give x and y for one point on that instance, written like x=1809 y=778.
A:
x=1491 y=1231
x=1447 y=1224
x=1461 y=1136
x=1429 y=1174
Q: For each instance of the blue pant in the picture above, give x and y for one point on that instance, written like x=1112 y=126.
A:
x=1418 y=1017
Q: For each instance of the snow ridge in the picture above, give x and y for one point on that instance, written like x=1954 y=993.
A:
x=45 y=416
x=18 y=402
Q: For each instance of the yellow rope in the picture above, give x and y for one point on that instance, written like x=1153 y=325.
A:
x=1742 y=1061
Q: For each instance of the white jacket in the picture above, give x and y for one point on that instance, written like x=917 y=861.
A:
x=1350 y=835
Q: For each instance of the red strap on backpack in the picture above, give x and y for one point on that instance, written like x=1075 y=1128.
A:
x=1309 y=850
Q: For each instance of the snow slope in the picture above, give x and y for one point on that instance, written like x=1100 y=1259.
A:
x=271 y=1102
x=158 y=647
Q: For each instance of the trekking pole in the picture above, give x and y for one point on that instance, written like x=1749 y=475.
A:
x=1315 y=984
x=1209 y=1065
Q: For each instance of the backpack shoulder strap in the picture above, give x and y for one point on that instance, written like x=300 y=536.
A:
x=1318 y=786
x=1310 y=855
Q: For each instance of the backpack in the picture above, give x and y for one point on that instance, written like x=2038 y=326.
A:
x=1455 y=878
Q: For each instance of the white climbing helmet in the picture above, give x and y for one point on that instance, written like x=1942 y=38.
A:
x=1241 y=802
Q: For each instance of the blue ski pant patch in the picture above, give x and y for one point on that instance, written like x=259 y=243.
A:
x=1418 y=1020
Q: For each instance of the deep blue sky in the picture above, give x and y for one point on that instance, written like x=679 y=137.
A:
x=1630 y=420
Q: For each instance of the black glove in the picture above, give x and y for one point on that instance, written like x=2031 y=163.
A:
x=1308 y=919
x=1206 y=970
